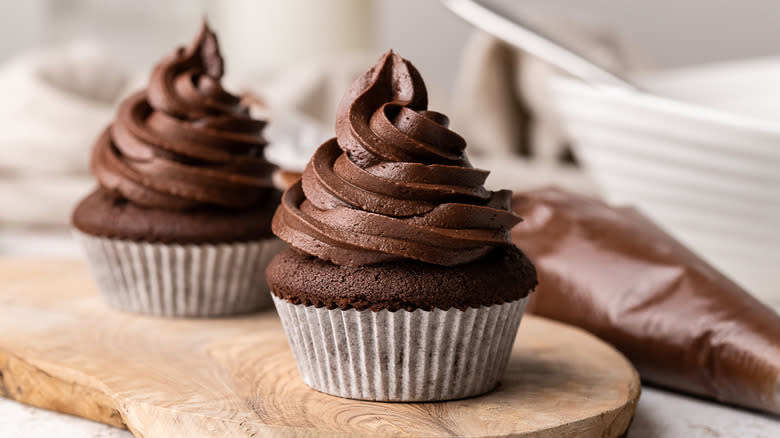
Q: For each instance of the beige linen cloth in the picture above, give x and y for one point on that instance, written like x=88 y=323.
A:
x=55 y=102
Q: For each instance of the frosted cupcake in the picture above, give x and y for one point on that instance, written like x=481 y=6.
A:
x=180 y=224
x=401 y=283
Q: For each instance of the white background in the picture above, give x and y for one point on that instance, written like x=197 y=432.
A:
x=670 y=32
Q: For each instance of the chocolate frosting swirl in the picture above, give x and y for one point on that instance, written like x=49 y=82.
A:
x=185 y=142
x=394 y=184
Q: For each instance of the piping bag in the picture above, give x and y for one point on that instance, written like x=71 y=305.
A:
x=616 y=274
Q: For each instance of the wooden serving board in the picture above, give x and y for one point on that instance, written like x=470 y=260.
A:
x=62 y=349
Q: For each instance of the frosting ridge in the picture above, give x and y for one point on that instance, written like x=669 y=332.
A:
x=185 y=142
x=394 y=184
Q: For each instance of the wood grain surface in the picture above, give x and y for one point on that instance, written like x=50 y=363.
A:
x=62 y=349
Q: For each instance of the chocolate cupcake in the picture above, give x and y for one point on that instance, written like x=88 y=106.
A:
x=180 y=224
x=401 y=283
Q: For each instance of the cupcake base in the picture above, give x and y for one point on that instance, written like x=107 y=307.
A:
x=403 y=356
x=502 y=276
x=181 y=280
x=103 y=213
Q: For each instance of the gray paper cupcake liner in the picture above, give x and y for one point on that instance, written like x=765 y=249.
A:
x=181 y=280
x=401 y=356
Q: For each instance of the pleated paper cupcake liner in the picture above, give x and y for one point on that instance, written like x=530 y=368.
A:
x=401 y=356
x=181 y=280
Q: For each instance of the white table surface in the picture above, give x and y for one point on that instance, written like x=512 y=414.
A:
x=660 y=413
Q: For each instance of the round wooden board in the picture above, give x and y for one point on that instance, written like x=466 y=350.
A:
x=62 y=349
